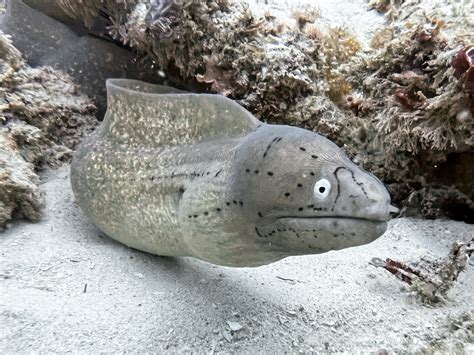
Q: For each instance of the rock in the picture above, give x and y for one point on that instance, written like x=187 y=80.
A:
x=43 y=116
x=234 y=326
x=227 y=336
x=18 y=184
x=89 y=60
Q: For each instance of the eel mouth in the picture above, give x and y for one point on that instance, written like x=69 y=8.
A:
x=365 y=229
x=331 y=217
x=322 y=217
x=304 y=234
x=298 y=235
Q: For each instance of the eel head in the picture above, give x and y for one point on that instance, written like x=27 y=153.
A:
x=304 y=195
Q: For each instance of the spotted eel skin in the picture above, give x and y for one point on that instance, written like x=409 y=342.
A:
x=180 y=174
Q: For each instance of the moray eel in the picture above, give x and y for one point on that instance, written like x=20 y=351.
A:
x=180 y=174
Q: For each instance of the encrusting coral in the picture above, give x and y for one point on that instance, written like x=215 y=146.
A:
x=42 y=118
x=400 y=108
x=420 y=109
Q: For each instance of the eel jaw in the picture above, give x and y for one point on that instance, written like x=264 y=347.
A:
x=308 y=235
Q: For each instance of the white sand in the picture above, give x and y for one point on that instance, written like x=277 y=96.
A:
x=136 y=302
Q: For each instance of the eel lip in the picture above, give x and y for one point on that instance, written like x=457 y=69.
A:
x=357 y=231
x=333 y=217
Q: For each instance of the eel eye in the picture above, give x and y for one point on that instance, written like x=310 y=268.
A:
x=322 y=189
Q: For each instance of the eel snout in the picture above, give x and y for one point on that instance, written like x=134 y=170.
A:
x=362 y=195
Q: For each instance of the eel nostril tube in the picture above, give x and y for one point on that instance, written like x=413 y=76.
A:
x=393 y=209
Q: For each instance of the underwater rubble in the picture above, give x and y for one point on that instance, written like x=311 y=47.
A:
x=402 y=108
x=431 y=280
x=43 y=116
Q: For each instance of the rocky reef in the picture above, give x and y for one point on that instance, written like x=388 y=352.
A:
x=88 y=56
x=414 y=87
x=43 y=116
x=402 y=106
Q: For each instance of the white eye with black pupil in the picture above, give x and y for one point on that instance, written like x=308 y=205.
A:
x=322 y=188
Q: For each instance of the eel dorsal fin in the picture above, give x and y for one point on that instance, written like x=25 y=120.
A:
x=139 y=113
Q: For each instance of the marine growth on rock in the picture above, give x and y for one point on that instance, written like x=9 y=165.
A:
x=43 y=116
x=397 y=107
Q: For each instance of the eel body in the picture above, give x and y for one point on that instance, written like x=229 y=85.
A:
x=180 y=174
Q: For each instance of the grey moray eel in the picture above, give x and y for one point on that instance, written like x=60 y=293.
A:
x=181 y=174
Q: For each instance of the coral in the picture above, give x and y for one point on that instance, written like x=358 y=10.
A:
x=420 y=110
x=42 y=118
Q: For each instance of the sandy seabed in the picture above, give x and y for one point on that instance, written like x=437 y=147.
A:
x=66 y=288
